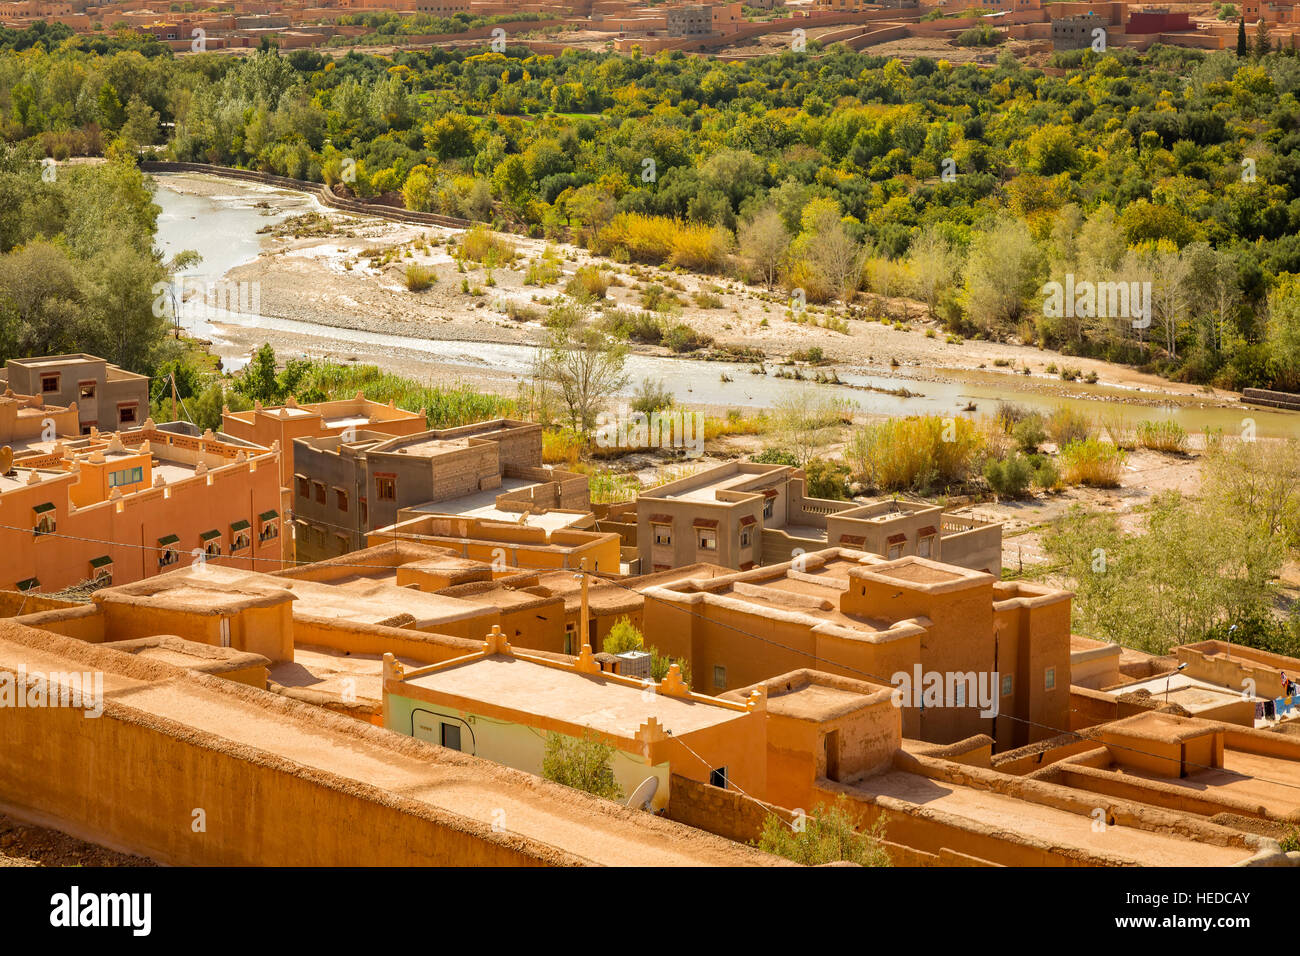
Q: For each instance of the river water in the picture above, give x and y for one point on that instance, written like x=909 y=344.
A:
x=223 y=229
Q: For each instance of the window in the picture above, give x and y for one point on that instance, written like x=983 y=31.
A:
x=451 y=736
x=50 y=382
x=211 y=543
x=365 y=511
x=895 y=551
x=718 y=778
x=167 y=552
x=386 y=487
x=101 y=570
x=744 y=537
x=86 y=390
x=719 y=677
x=1049 y=681
x=320 y=491
x=126 y=476
x=767 y=507
x=569 y=630
x=925 y=547
x=304 y=487
x=44 y=515
x=29 y=584
x=240 y=538
x=340 y=499
x=708 y=540
x=268 y=526
x=126 y=414
x=663 y=534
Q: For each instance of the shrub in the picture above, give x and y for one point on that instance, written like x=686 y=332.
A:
x=481 y=244
x=634 y=326
x=1066 y=426
x=562 y=445
x=588 y=282
x=1092 y=462
x=826 y=479
x=915 y=453
x=418 y=278
x=1120 y=430
x=1010 y=477
x=651 y=396
x=1029 y=433
x=682 y=338
x=775 y=456
x=707 y=300
x=827 y=836
x=581 y=764
x=658 y=299
x=1046 y=475
x=1166 y=436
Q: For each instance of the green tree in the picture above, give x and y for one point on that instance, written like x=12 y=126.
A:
x=1242 y=49
x=827 y=835
x=582 y=764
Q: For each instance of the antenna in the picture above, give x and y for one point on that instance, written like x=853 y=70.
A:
x=643 y=794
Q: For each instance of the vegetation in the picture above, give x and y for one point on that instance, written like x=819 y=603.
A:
x=625 y=636
x=827 y=835
x=582 y=764
x=821 y=176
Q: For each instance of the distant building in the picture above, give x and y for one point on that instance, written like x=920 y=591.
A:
x=106 y=397
x=1077 y=33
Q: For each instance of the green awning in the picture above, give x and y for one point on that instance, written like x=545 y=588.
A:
x=30 y=584
x=169 y=540
x=42 y=508
x=240 y=525
x=209 y=535
x=268 y=515
x=100 y=562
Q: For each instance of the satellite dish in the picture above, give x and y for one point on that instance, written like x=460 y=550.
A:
x=643 y=794
x=6 y=460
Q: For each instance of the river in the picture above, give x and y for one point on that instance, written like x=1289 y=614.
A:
x=228 y=237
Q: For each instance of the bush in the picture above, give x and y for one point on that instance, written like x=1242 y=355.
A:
x=1029 y=433
x=682 y=338
x=915 y=453
x=658 y=299
x=651 y=396
x=581 y=764
x=481 y=244
x=634 y=326
x=1010 y=477
x=826 y=479
x=1092 y=462
x=1066 y=426
x=828 y=835
x=775 y=456
x=707 y=300
x=1166 y=436
x=588 y=282
x=418 y=278
x=1046 y=475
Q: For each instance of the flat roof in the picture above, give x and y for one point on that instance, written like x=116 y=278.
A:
x=558 y=693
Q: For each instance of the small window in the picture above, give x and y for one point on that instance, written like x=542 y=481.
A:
x=1007 y=685
x=1050 y=678
x=708 y=540
x=320 y=491
x=663 y=534
x=101 y=570
x=718 y=778
x=925 y=546
x=895 y=551
x=569 y=631
x=126 y=476
x=50 y=382
x=241 y=538
x=719 y=677
x=304 y=487
x=268 y=526
x=386 y=487
x=45 y=523
x=167 y=557
x=451 y=736
x=744 y=537
x=211 y=543
x=126 y=414
x=767 y=507
x=340 y=499
x=86 y=390
x=365 y=511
